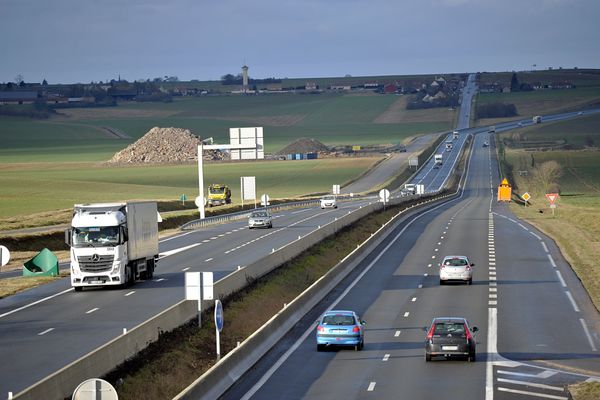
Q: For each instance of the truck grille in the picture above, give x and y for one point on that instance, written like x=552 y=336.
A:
x=95 y=263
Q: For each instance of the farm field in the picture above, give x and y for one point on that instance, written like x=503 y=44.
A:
x=36 y=187
x=576 y=224
x=334 y=119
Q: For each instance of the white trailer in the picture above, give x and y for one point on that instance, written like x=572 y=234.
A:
x=438 y=159
x=455 y=134
x=113 y=243
x=537 y=119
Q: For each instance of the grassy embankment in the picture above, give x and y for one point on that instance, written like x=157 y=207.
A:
x=576 y=224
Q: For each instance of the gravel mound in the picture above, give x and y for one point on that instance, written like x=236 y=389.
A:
x=304 y=145
x=164 y=146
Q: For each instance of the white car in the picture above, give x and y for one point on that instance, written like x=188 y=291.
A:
x=260 y=219
x=456 y=268
x=328 y=202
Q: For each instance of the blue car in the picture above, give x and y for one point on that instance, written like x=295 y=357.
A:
x=340 y=328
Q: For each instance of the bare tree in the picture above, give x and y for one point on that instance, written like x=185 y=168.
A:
x=19 y=78
x=547 y=174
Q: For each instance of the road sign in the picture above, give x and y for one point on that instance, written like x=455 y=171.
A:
x=335 y=189
x=207 y=286
x=413 y=162
x=384 y=195
x=219 y=315
x=4 y=256
x=264 y=200
x=525 y=196
x=248 y=188
x=199 y=201
x=93 y=389
x=192 y=285
x=551 y=197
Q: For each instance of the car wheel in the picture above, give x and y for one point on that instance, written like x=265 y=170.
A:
x=427 y=357
x=270 y=226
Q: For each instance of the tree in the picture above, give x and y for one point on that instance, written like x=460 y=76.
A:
x=547 y=175
x=19 y=79
x=514 y=83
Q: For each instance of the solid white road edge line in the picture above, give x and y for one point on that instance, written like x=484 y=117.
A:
x=310 y=330
x=34 y=303
x=532 y=384
x=492 y=350
x=546 y=396
x=46 y=331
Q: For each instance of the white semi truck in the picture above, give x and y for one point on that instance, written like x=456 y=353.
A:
x=113 y=243
x=438 y=159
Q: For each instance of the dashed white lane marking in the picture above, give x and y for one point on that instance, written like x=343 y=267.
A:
x=406 y=314
x=492 y=272
x=420 y=286
x=439 y=243
x=432 y=257
x=221 y=235
x=587 y=334
x=551 y=260
x=545 y=247
x=531 y=384
x=185 y=269
x=425 y=274
x=159 y=280
x=429 y=265
x=493 y=283
x=130 y=293
x=213 y=238
x=386 y=357
x=437 y=250
x=46 y=331
x=208 y=259
x=371 y=386
x=492 y=278
x=413 y=299
x=492 y=263
x=493 y=296
x=206 y=241
x=493 y=289
x=492 y=303
x=534 y=394
x=92 y=310
x=228 y=233
x=572 y=300
x=397 y=333
x=524 y=227
x=537 y=236
x=560 y=278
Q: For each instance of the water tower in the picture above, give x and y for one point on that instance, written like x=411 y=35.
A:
x=245 y=75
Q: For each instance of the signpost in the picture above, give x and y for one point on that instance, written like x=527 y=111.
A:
x=4 y=256
x=552 y=198
x=199 y=286
x=248 y=184
x=264 y=200
x=183 y=198
x=95 y=389
x=218 y=325
x=526 y=197
x=384 y=196
x=413 y=162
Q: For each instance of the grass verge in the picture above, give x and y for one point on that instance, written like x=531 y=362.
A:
x=585 y=391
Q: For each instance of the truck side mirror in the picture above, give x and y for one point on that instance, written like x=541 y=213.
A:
x=68 y=237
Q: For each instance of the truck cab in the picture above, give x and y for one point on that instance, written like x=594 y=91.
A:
x=218 y=195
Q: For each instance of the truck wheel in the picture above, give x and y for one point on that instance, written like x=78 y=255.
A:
x=128 y=276
x=150 y=269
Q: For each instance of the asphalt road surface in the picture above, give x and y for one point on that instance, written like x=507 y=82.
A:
x=538 y=330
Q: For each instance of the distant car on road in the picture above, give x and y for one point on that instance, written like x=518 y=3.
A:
x=450 y=337
x=260 y=219
x=520 y=124
x=328 y=201
x=485 y=144
x=580 y=113
x=456 y=268
x=340 y=328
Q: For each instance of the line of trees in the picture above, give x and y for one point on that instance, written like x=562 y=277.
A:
x=496 y=110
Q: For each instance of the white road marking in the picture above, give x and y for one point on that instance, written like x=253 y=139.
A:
x=397 y=333
x=406 y=314
x=492 y=278
x=545 y=247
x=130 y=293
x=425 y=274
x=587 y=334
x=371 y=386
x=92 y=310
x=436 y=249
x=492 y=352
x=205 y=241
x=524 y=227
x=546 y=396
x=537 y=236
x=492 y=268
x=551 y=261
x=213 y=238
x=429 y=265
x=179 y=250
x=185 y=269
x=493 y=289
x=542 y=375
x=414 y=299
x=46 y=331
x=439 y=243
x=492 y=303
x=420 y=286
x=492 y=273
x=560 y=278
x=531 y=384
x=572 y=300
x=386 y=357
x=208 y=259
x=493 y=283
x=160 y=280
x=228 y=233
x=35 y=302
x=493 y=296
x=432 y=256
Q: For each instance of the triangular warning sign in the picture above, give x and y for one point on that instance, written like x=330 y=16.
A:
x=504 y=182
x=552 y=197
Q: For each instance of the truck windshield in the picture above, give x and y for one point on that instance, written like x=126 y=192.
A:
x=94 y=236
x=216 y=190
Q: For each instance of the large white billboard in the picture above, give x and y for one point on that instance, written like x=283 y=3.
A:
x=247 y=136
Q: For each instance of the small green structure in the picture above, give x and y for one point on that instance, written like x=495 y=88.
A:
x=45 y=263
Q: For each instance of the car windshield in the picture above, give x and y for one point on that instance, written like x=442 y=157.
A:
x=260 y=214
x=456 y=262
x=329 y=198
x=449 y=328
x=95 y=236
x=338 y=319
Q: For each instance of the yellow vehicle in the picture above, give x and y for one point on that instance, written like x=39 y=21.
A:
x=218 y=195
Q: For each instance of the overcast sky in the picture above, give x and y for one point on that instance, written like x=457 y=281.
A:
x=66 y=41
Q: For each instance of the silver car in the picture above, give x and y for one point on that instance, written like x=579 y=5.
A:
x=456 y=268
x=260 y=219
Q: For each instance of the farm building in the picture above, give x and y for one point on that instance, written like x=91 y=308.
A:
x=17 y=97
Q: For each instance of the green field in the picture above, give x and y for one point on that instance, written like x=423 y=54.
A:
x=33 y=188
x=331 y=118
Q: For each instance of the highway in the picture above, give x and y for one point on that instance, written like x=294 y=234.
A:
x=538 y=330
x=44 y=329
